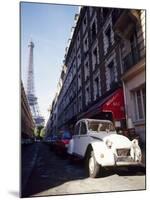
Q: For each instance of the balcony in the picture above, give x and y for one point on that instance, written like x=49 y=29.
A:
x=124 y=22
x=131 y=59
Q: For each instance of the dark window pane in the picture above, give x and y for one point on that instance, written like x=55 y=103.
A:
x=144 y=100
x=83 y=128
x=139 y=104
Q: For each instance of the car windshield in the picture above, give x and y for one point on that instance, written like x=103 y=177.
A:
x=98 y=126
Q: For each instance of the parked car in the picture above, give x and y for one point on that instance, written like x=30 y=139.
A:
x=48 y=139
x=52 y=141
x=37 y=140
x=25 y=141
x=99 y=144
x=62 y=142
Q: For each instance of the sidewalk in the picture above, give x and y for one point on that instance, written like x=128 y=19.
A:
x=143 y=157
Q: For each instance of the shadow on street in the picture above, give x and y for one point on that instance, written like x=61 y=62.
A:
x=42 y=169
x=48 y=171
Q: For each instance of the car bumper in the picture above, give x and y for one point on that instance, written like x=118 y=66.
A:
x=122 y=161
x=128 y=164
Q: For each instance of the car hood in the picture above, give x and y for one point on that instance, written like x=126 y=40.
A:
x=118 y=141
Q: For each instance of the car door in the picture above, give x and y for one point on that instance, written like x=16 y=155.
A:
x=80 y=139
x=76 y=138
x=84 y=139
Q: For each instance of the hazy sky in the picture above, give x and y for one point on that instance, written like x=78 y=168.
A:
x=49 y=26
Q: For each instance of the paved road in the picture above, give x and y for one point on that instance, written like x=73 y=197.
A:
x=53 y=175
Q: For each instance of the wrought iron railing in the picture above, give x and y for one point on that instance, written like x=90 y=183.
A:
x=131 y=59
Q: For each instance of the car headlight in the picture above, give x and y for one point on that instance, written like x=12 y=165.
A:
x=109 y=144
x=135 y=152
x=135 y=142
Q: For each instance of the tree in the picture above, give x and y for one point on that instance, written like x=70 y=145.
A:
x=42 y=133
x=38 y=133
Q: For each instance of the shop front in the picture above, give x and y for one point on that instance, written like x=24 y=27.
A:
x=111 y=108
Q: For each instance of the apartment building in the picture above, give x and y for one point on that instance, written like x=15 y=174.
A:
x=106 y=50
x=27 y=122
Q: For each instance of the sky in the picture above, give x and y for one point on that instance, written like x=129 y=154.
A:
x=49 y=27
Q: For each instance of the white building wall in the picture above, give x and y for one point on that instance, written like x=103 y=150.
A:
x=136 y=82
x=135 y=79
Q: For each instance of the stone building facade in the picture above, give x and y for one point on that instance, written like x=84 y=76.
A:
x=27 y=123
x=105 y=45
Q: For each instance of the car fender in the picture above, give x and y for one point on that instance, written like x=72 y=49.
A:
x=103 y=155
x=70 y=147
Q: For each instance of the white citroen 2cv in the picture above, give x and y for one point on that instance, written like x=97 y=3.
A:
x=99 y=144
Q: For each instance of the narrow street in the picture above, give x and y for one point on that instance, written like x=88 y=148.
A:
x=45 y=173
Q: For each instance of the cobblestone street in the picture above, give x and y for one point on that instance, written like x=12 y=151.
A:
x=48 y=174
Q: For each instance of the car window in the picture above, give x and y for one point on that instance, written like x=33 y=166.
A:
x=66 y=135
x=83 y=129
x=100 y=126
x=77 y=129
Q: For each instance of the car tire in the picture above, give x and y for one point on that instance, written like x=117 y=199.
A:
x=92 y=167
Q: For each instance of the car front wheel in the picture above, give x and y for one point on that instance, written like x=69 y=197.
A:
x=92 y=167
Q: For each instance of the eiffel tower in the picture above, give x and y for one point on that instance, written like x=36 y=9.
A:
x=32 y=99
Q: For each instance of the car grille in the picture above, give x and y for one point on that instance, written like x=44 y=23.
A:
x=124 y=159
x=123 y=152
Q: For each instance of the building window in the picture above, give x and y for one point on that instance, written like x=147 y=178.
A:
x=91 y=11
x=74 y=70
x=79 y=81
x=96 y=88
x=85 y=44
x=87 y=95
x=86 y=68
x=108 y=36
x=95 y=57
x=144 y=100
x=111 y=72
x=78 y=40
x=105 y=12
x=84 y=23
x=78 y=58
x=75 y=108
x=134 y=48
x=139 y=102
x=93 y=30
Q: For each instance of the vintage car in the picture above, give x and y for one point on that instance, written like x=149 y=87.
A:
x=99 y=144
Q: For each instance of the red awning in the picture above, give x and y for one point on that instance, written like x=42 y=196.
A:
x=115 y=104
